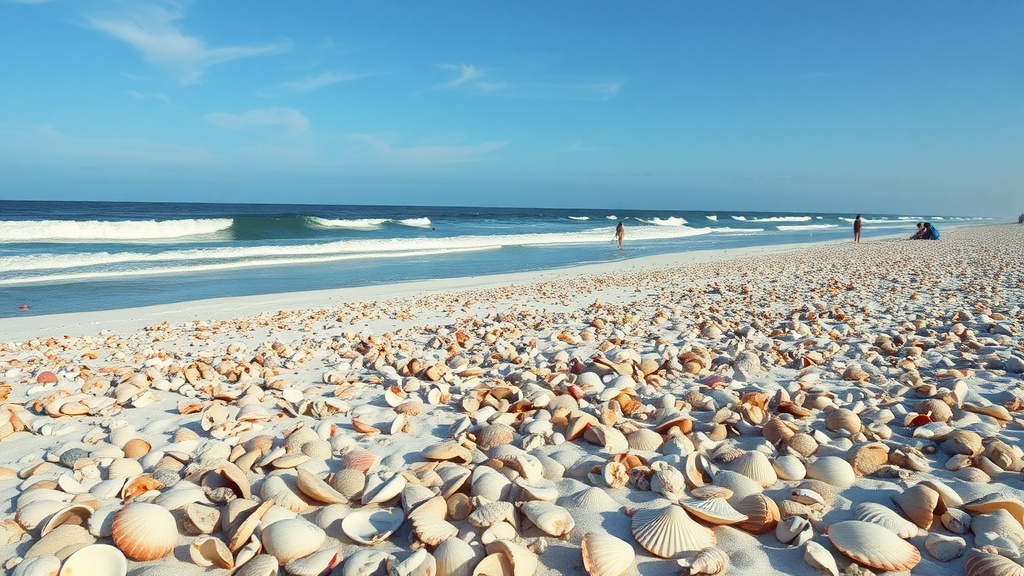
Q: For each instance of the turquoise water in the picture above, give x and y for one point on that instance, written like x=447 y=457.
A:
x=79 y=256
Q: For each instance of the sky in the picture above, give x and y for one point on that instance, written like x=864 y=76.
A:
x=871 y=106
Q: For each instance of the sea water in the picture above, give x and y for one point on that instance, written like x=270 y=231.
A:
x=80 y=256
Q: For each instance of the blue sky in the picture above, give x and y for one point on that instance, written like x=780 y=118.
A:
x=874 y=106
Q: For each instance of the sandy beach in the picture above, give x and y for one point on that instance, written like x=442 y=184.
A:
x=779 y=409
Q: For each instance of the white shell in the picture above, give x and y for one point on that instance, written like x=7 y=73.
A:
x=144 y=531
x=668 y=481
x=794 y=531
x=292 y=539
x=382 y=487
x=43 y=565
x=95 y=560
x=873 y=545
x=259 y=565
x=945 y=548
x=833 y=470
x=211 y=551
x=645 y=439
x=372 y=525
x=455 y=558
x=282 y=489
x=552 y=519
x=818 y=557
x=606 y=555
x=319 y=562
x=884 y=516
x=432 y=530
x=364 y=563
x=669 y=532
x=318 y=489
x=789 y=467
x=755 y=465
x=713 y=510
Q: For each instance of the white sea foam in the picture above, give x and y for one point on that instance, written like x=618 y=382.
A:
x=356 y=223
x=782 y=219
x=416 y=222
x=740 y=218
x=670 y=221
x=712 y=217
x=107 y=231
x=611 y=217
x=807 y=227
x=579 y=217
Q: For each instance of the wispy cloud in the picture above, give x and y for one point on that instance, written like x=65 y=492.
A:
x=149 y=96
x=291 y=120
x=155 y=31
x=474 y=79
x=381 y=148
x=310 y=83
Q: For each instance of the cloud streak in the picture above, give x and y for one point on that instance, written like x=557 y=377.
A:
x=155 y=31
x=381 y=148
x=289 y=119
x=474 y=79
x=310 y=83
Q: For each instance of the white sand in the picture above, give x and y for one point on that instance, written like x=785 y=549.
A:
x=788 y=302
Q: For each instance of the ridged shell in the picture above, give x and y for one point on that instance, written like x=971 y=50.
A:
x=44 y=565
x=372 y=525
x=491 y=513
x=842 y=419
x=358 y=459
x=349 y=482
x=887 y=517
x=144 y=531
x=552 y=519
x=833 y=470
x=494 y=435
x=455 y=558
x=669 y=532
x=95 y=560
x=492 y=486
x=611 y=440
x=259 y=565
x=803 y=444
x=523 y=561
x=710 y=561
x=741 y=485
x=592 y=499
x=606 y=555
x=645 y=439
x=319 y=562
x=762 y=514
x=985 y=564
x=713 y=510
x=382 y=487
x=316 y=488
x=432 y=530
x=755 y=465
x=918 y=502
x=789 y=467
x=292 y=539
x=282 y=489
x=873 y=545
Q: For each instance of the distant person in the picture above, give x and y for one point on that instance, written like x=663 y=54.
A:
x=856 y=230
x=1020 y=219
x=919 y=235
x=620 y=233
x=931 y=232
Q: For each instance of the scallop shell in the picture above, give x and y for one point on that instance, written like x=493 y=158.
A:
x=761 y=511
x=292 y=539
x=492 y=486
x=919 y=503
x=873 y=545
x=349 y=482
x=803 y=444
x=606 y=555
x=592 y=498
x=552 y=519
x=494 y=435
x=755 y=465
x=316 y=488
x=741 y=485
x=432 y=530
x=211 y=551
x=887 y=517
x=833 y=470
x=144 y=531
x=259 y=565
x=455 y=558
x=611 y=440
x=372 y=525
x=319 y=562
x=842 y=419
x=985 y=564
x=716 y=511
x=645 y=439
x=358 y=459
x=95 y=560
x=669 y=532
x=789 y=467
x=711 y=561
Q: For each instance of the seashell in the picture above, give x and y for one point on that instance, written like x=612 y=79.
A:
x=956 y=521
x=292 y=539
x=832 y=470
x=755 y=465
x=868 y=458
x=668 y=481
x=42 y=565
x=60 y=538
x=606 y=555
x=382 y=487
x=200 y=519
x=794 y=531
x=740 y=485
x=499 y=531
x=358 y=459
x=372 y=525
x=281 y=489
x=490 y=513
x=789 y=467
x=419 y=563
x=592 y=499
x=144 y=531
x=459 y=507
x=994 y=502
x=453 y=478
x=521 y=560
x=803 y=444
x=873 y=545
x=527 y=465
x=74 y=514
x=455 y=557
x=610 y=439
x=716 y=511
x=711 y=561
x=448 y=450
x=494 y=435
x=492 y=486
x=995 y=525
x=211 y=551
x=136 y=448
x=644 y=439
x=936 y=409
x=948 y=498
x=944 y=548
x=316 y=488
x=349 y=482
x=816 y=556
x=887 y=517
x=529 y=491
x=413 y=495
x=550 y=518
x=319 y=562
x=259 y=565
x=669 y=532
x=140 y=485
x=986 y=564
x=778 y=430
x=919 y=503
x=842 y=419
x=761 y=511
x=367 y=562
x=245 y=528
x=227 y=475
x=95 y=560
x=431 y=529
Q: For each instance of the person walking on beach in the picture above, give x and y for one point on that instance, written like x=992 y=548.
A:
x=620 y=233
x=856 y=230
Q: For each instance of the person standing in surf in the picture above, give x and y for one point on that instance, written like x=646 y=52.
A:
x=856 y=230
x=620 y=233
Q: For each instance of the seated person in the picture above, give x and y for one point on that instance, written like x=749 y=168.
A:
x=931 y=232
x=920 y=232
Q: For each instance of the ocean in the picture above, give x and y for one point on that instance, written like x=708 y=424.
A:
x=83 y=256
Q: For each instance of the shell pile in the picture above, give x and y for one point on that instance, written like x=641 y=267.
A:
x=854 y=408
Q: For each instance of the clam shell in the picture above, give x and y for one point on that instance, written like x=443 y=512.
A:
x=316 y=488
x=669 y=532
x=522 y=560
x=887 y=517
x=741 y=485
x=44 y=565
x=644 y=439
x=552 y=519
x=259 y=565
x=794 y=531
x=592 y=498
x=998 y=524
x=873 y=545
x=816 y=556
x=382 y=487
x=494 y=435
x=432 y=530
x=372 y=525
x=490 y=513
x=803 y=444
x=528 y=491
x=755 y=465
x=985 y=564
x=349 y=482
x=711 y=561
x=606 y=555
x=945 y=548
x=919 y=503
x=716 y=511
x=761 y=511
x=789 y=467
x=492 y=486
x=833 y=470
x=319 y=562
x=842 y=419
x=200 y=519
x=994 y=502
x=282 y=489
x=74 y=514
x=95 y=560
x=956 y=521
x=292 y=539
x=144 y=531
x=455 y=557
x=358 y=459
x=366 y=562
x=211 y=551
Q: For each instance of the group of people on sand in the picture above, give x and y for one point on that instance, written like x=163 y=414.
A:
x=925 y=231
